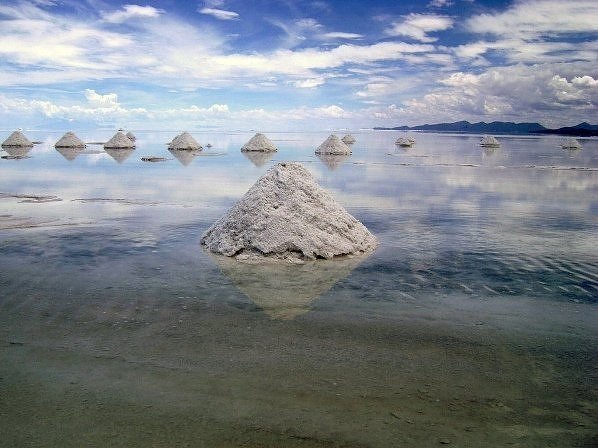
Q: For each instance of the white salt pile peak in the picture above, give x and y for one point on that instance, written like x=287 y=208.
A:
x=184 y=141
x=119 y=140
x=70 y=140
x=489 y=141
x=131 y=136
x=287 y=216
x=259 y=142
x=333 y=145
x=17 y=139
x=348 y=139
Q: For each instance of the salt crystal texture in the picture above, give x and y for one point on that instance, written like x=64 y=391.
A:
x=17 y=139
x=119 y=140
x=70 y=140
x=333 y=145
x=287 y=216
x=348 y=139
x=184 y=141
x=259 y=142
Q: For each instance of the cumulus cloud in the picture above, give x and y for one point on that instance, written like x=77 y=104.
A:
x=94 y=99
x=417 y=26
x=129 y=12
x=309 y=83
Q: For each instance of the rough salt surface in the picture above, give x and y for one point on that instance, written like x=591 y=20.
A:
x=119 y=140
x=286 y=215
x=259 y=142
x=348 y=139
x=17 y=139
x=131 y=136
x=489 y=140
x=184 y=141
x=333 y=145
x=70 y=140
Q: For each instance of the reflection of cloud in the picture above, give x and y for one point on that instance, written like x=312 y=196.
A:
x=285 y=291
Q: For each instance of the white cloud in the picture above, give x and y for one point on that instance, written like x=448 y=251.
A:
x=440 y=3
x=130 y=12
x=341 y=35
x=219 y=14
x=417 y=26
x=531 y=19
x=96 y=100
x=309 y=83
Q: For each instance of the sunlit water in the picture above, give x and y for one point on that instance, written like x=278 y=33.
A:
x=473 y=324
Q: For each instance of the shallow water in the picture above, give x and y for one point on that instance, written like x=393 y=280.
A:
x=473 y=324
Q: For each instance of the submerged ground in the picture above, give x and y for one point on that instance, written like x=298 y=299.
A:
x=473 y=324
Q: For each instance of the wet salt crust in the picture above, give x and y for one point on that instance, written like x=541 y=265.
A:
x=287 y=216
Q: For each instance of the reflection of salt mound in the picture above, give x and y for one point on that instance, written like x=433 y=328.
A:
x=258 y=158
x=259 y=142
x=17 y=152
x=119 y=140
x=285 y=291
x=570 y=143
x=185 y=156
x=131 y=136
x=184 y=141
x=287 y=215
x=119 y=154
x=333 y=161
x=69 y=154
x=489 y=141
x=348 y=139
x=17 y=139
x=333 y=145
x=70 y=140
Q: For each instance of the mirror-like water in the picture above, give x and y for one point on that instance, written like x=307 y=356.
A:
x=473 y=324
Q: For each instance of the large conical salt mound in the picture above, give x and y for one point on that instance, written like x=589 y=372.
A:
x=259 y=142
x=348 y=139
x=70 y=140
x=17 y=139
x=286 y=215
x=184 y=141
x=119 y=140
x=333 y=145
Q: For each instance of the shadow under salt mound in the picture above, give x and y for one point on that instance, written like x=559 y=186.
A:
x=120 y=154
x=286 y=291
x=333 y=161
x=258 y=158
x=184 y=156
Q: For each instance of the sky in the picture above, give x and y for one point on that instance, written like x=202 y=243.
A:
x=296 y=64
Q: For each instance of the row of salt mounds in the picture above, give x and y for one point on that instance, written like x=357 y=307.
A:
x=571 y=143
x=287 y=216
x=348 y=139
x=489 y=141
x=184 y=141
x=259 y=142
x=118 y=141
x=18 y=140
x=70 y=140
x=333 y=145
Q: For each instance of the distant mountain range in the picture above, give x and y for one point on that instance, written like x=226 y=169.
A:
x=500 y=127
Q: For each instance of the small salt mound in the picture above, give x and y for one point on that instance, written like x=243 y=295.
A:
x=348 y=139
x=571 y=143
x=184 y=141
x=70 y=140
x=119 y=140
x=286 y=215
x=489 y=141
x=259 y=142
x=131 y=136
x=17 y=139
x=333 y=145
x=404 y=142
